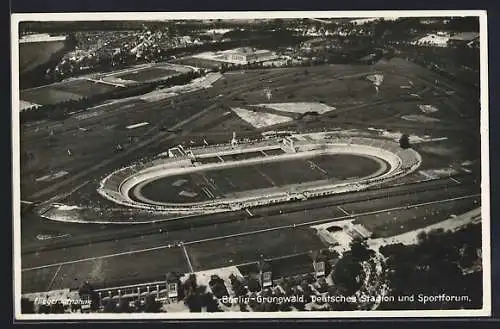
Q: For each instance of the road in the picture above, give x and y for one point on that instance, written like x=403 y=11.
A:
x=140 y=257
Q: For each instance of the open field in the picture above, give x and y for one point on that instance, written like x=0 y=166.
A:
x=47 y=95
x=104 y=272
x=235 y=250
x=396 y=222
x=283 y=266
x=85 y=87
x=64 y=91
x=97 y=142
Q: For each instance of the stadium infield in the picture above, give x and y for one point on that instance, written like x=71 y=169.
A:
x=225 y=182
x=147 y=74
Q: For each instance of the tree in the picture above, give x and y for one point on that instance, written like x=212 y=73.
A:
x=404 y=141
x=44 y=309
x=284 y=307
x=196 y=298
x=190 y=285
x=238 y=287
x=86 y=291
x=210 y=303
x=271 y=307
x=347 y=273
x=219 y=289
x=152 y=305
x=359 y=250
x=253 y=285
x=430 y=267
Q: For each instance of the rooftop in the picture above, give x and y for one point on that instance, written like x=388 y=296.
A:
x=248 y=51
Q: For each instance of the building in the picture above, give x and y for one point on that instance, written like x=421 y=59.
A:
x=433 y=40
x=313 y=44
x=248 y=55
x=241 y=56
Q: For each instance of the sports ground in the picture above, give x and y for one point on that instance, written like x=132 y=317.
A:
x=225 y=182
x=65 y=91
x=147 y=74
x=77 y=88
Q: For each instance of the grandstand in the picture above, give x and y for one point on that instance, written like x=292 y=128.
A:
x=176 y=152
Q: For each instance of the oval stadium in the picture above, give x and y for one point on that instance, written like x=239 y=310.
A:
x=235 y=176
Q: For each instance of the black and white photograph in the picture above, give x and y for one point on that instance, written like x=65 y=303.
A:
x=250 y=165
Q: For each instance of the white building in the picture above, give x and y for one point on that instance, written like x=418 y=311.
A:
x=435 y=40
x=243 y=56
x=247 y=55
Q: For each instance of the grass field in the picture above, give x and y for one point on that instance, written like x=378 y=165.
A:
x=47 y=95
x=102 y=272
x=281 y=267
x=148 y=74
x=122 y=269
x=63 y=91
x=152 y=265
x=400 y=221
x=103 y=132
x=85 y=87
x=233 y=251
x=224 y=182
